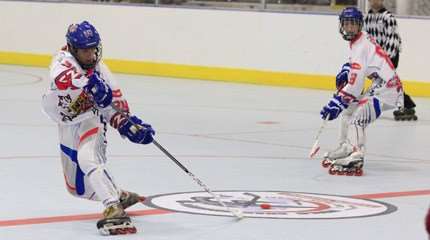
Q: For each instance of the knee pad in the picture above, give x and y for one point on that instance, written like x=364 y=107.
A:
x=87 y=159
x=91 y=155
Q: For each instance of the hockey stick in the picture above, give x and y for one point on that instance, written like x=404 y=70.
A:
x=236 y=212
x=253 y=201
x=315 y=148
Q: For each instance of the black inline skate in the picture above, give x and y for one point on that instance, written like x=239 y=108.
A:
x=405 y=114
x=115 y=222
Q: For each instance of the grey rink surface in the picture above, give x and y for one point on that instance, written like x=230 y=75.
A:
x=234 y=137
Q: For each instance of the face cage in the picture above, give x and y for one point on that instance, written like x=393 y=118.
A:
x=99 y=51
x=348 y=36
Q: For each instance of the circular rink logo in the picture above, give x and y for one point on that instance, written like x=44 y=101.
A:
x=271 y=204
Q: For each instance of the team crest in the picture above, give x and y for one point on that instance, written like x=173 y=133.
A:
x=88 y=33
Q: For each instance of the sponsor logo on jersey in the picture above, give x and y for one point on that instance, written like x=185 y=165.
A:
x=356 y=66
x=282 y=205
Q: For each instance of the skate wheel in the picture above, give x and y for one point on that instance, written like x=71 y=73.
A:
x=332 y=171
x=123 y=231
x=326 y=163
x=359 y=172
x=349 y=173
x=415 y=118
x=341 y=173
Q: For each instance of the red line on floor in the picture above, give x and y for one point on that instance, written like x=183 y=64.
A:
x=80 y=217
x=393 y=194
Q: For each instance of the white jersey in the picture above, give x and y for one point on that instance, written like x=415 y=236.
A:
x=65 y=102
x=368 y=59
x=82 y=127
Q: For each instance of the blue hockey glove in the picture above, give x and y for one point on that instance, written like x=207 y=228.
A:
x=101 y=92
x=334 y=107
x=136 y=130
x=342 y=76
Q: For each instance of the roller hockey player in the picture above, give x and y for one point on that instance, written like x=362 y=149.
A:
x=382 y=25
x=80 y=99
x=359 y=108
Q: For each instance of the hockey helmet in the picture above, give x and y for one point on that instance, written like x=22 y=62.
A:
x=353 y=15
x=83 y=36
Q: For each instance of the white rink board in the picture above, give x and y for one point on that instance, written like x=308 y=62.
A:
x=298 y=43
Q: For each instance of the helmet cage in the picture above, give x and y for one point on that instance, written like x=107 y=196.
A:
x=84 y=36
x=86 y=66
x=351 y=15
x=350 y=35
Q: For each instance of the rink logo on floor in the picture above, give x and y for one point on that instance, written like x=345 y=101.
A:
x=272 y=204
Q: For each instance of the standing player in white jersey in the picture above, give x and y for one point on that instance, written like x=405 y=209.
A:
x=382 y=25
x=80 y=99
x=360 y=107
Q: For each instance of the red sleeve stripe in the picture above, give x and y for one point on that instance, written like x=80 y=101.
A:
x=121 y=105
x=117 y=119
x=116 y=93
x=356 y=66
x=363 y=101
x=347 y=97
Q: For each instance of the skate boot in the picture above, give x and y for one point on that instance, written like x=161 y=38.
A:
x=342 y=151
x=128 y=199
x=115 y=222
x=405 y=114
x=350 y=166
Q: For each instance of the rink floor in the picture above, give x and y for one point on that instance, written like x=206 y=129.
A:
x=248 y=143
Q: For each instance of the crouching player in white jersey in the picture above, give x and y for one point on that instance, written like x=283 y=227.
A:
x=359 y=107
x=83 y=99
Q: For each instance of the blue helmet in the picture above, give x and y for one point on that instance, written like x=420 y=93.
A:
x=350 y=14
x=83 y=36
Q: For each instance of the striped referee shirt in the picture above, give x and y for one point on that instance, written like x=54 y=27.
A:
x=383 y=27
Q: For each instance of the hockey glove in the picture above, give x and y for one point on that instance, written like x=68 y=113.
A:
x=334 y=107
x=136 y=131
x=342 y=76
x=99 y=90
